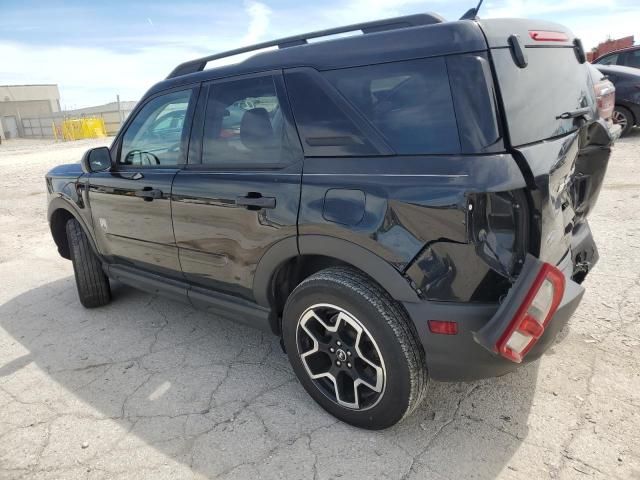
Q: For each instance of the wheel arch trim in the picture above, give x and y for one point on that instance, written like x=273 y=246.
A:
x=348 y=252
x=60 y=203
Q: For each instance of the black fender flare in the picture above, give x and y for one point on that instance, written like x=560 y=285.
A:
x=348 y=252
x=61 y=203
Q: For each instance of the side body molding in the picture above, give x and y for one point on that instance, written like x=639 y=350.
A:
x=391 y=279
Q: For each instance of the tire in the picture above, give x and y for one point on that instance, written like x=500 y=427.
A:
x=91 y=281
x=373 y=339
x=624 y=117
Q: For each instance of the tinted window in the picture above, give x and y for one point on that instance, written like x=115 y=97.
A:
x=631 y=59
x=554 y=83
x=155 y=136
x=245 y=123
x=326 y=128
x=609 y=60
x=474 y=102
x=408 y=102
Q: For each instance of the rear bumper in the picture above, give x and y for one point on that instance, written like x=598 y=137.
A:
x=459 y=357
x=462 y=357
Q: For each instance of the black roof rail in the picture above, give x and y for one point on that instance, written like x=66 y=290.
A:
x=199 y=64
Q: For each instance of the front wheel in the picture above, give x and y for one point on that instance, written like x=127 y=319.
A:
x=91 y=281
x=354 y=349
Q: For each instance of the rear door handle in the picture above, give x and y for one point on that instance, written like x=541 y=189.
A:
x=255 y=202
x=148 y=193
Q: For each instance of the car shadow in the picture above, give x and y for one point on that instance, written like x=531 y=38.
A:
x=221 y=398
x=631 y=136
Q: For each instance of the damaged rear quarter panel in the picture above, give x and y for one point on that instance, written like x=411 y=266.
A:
x=414 y=206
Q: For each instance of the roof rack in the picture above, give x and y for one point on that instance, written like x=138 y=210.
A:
x=199 y=64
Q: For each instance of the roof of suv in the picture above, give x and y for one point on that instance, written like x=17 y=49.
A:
x=401 y=43
x=394 y=39
x=620 y=50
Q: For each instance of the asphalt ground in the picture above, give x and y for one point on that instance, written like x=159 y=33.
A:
x=149 y=388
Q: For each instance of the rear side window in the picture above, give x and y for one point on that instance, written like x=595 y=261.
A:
x=327 y=128
x=409 y=103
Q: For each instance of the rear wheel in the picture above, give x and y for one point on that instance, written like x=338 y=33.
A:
x=91 y=281
x=354 y=349
x=623 y=117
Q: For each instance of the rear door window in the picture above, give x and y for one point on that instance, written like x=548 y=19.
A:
x=409 y=103
x=245 y=124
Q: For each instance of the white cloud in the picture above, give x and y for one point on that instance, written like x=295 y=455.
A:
x=90 y=75
x=259 y=16
x=94 y=75
x=593 y=21
x=595 y=29
x=536 y=8
x=355 y=11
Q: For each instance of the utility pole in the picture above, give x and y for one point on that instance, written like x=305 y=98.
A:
x=119 y=109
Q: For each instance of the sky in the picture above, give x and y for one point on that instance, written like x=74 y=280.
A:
x=97 y=50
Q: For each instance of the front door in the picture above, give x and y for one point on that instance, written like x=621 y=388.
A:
x=243 y=197
x=130 y=204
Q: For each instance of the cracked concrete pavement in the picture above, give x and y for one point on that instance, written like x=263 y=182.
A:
x=149 y=388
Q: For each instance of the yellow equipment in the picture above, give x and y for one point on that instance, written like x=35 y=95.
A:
x=79 y=128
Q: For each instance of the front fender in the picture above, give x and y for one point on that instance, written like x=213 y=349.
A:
x=61 y=203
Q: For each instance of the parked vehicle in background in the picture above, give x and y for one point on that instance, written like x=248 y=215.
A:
x=404 y=204
x=627 y=97
x=627 y=57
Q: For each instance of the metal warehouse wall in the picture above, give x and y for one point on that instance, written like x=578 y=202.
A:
x=29 y=93
x=42 y=126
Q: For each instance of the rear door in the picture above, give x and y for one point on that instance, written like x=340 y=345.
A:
x=130 y=204
x=551 y=118
x=243 y=195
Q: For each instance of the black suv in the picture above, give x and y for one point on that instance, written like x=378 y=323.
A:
x=404 y=204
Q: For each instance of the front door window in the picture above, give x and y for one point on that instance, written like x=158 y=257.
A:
x=156 y=136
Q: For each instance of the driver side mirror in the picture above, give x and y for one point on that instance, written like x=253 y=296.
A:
x=96 y=160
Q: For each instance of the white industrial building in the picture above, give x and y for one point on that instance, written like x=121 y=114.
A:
x=25 y=101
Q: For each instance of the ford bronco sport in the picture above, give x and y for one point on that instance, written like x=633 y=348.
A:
x=404 y=204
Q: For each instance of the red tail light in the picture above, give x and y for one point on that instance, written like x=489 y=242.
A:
x=528 y=324
x=606 y=96
x=548 y=36
x=443 y=327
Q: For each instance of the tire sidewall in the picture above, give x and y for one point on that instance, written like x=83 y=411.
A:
x=91 y=282
x=627 y=115
x=395 y=399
